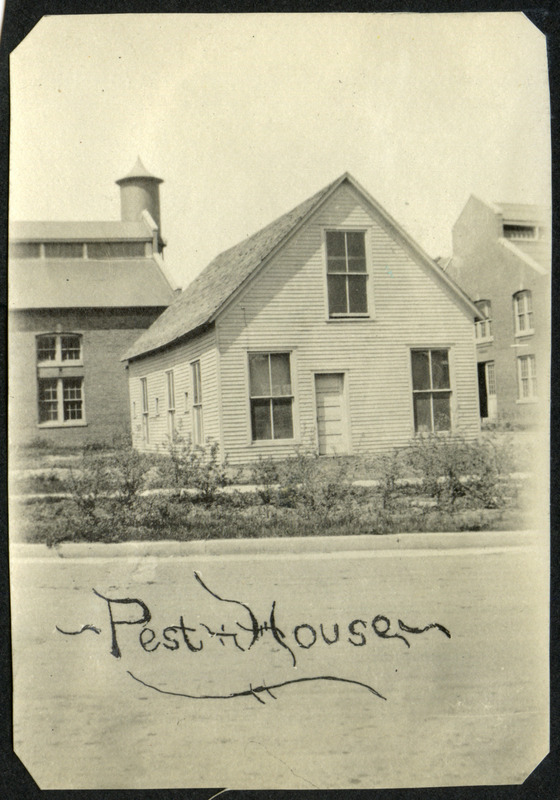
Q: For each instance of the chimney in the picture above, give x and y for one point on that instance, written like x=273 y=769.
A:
x=140 y=192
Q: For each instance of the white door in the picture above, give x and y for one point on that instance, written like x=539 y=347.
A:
x=331 y=424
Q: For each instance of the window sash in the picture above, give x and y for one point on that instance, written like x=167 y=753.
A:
x=59 y=347
x=523 y=308
x=346 y=273
x=61 y=400
x=271 y=397
x=431 y=390
x=527 y=377
x=197 y=418
x=145 y=419
x=170 y=391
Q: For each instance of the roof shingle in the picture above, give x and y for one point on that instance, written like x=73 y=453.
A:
x=200 y=301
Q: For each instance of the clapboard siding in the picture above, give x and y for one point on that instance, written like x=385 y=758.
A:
x=178 y=358
x=284 y=308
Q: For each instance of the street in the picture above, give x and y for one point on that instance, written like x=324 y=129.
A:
x=419 y=660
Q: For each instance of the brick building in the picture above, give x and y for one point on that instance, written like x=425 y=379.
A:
x=80 y=293
x=501 y=258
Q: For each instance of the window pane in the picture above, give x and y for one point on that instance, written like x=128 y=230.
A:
x=260 y=419
x=357 y=294
x=116 y=250
x=337 y=294
x=490 y=378
x=197 y=388
x=282 y=413
x=422 y=413
x=336 y=265
x=72 y=397
x=46 y=348
x=259 y=375
x=25 y=250
x=64 y=250
x=420 y=369
x=144 y=384
x=170 y=390
x=48 y=404
x=442 y=412
x=356 y=265
x=356 y=244
x=528 y=301
x=280 y=372
x=70 y=348
x=335 y=244
x=440 y=369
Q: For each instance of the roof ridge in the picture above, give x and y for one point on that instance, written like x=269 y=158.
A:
x=207 y=295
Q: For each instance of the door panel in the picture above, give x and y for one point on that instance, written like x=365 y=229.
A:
x=331 y=424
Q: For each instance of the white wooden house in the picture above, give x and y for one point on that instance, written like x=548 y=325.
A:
x=328 y=329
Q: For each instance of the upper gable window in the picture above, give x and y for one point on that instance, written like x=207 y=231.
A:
x=25 y=250
x=520 y=231
x=347 y=273
x=64 y=250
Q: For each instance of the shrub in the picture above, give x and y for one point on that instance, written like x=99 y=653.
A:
x=265 y=473
x=452 y=468
x=389 y=469
x=317 y=493
x=196 y=467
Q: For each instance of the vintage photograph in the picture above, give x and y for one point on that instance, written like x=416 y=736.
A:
x=279 y=375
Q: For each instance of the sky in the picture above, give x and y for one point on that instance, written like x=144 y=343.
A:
x=246 y=115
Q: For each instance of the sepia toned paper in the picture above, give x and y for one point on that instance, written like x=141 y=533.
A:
x=325 y=662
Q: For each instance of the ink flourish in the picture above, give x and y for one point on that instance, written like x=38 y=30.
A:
x=244 y=637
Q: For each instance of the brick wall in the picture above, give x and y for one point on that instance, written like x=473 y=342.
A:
x=106 y=335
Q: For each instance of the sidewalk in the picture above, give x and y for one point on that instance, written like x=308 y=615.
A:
x=320 y=545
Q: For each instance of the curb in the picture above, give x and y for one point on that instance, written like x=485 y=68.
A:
x=318 y=545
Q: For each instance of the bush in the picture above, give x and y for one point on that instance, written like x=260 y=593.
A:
x=452 y=468
x=196 y=467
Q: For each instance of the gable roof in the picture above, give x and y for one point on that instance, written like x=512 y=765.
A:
x=83 y=283
x=201 y=301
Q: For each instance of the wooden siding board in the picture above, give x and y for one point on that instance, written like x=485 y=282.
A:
x=285 y=308
x=154 y=369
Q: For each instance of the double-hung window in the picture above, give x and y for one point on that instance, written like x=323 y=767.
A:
x=483 y=327
x=270 y=389
x=523 y=312
x=170 y=404
x=527 y=377
x=346 y=274
x=197 y=421
x=431 y=390
x=145 y=410
x=60 y=379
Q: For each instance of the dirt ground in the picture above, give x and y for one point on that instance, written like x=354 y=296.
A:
x=469 y=709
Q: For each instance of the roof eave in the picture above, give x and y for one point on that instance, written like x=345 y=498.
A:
x=202 y=328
